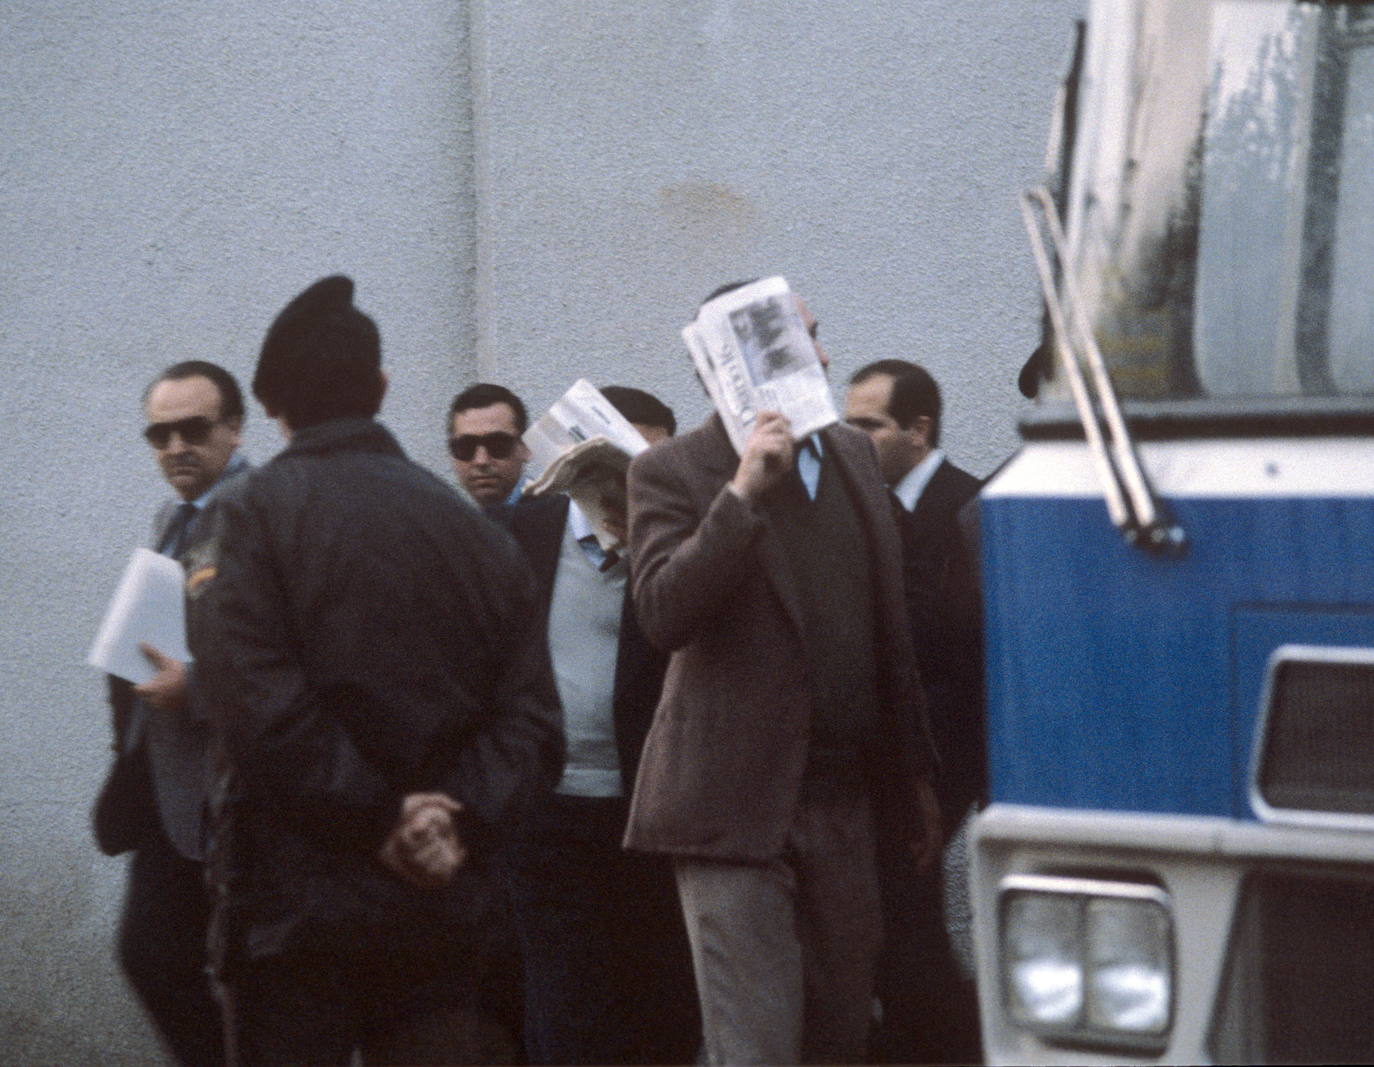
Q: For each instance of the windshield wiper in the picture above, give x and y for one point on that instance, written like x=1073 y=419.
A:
x=1132 y=504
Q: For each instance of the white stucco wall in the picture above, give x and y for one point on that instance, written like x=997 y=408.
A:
x=172 y=173
x=636 y=155
x=550 y=204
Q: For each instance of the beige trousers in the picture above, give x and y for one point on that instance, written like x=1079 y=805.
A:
x=785 y=951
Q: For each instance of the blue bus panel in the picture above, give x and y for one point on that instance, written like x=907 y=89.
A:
x=1123 y=681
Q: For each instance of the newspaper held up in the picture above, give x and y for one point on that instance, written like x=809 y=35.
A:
x=753 y=353
x=149 y=606
x=582 y=446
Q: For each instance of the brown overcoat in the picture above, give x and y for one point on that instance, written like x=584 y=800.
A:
x=723 y=761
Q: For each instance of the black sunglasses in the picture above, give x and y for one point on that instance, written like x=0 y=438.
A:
x=499 y=445
x=194 y=431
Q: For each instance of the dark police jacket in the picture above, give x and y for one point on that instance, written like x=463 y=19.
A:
x=362 y=633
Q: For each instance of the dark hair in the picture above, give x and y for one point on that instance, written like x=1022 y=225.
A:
x=484 y=395
x=230 y=397
x=638 y=406
x=914 y=393
x=321 y=358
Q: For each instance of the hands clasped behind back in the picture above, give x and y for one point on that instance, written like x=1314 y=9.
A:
x=424 y=848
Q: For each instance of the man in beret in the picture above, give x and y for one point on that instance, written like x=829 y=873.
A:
x=383 y=704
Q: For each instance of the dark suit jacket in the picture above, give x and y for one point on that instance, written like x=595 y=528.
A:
x=723 y=762
x=160 y=772
x=946 y=620
x=537 y=524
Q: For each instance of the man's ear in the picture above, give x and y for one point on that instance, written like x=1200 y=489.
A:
x=920 y=428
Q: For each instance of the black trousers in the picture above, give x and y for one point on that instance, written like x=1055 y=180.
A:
x=320 y=1007
x=930 y=1009
x=608 y=978
x=162 y=950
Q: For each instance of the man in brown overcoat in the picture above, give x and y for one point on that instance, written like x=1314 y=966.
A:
x=791 y=731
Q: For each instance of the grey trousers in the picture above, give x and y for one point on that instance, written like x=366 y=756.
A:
x=785 y=951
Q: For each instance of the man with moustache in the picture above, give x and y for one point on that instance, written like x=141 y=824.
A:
x=154 y=799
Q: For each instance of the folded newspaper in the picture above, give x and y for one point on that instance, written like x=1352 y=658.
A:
x=582 y=446
x=753 y=353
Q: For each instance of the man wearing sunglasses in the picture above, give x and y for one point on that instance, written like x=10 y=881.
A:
x=153 y=800
x=485 y=423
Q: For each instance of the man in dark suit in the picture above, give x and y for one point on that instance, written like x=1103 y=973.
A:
x=607 y=974
x=929 y=1005
x=790 y=736
x=153 y=801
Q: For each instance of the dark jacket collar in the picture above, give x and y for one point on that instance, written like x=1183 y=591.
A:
x=354 y=434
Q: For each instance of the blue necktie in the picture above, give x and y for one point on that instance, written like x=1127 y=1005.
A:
x=809 y=466
x=599 y=557
x=175 y=538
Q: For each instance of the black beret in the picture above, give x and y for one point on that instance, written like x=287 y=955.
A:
x=319 y=332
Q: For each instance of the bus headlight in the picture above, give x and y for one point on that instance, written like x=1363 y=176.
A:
x=1041 y=951
x=1088 y=960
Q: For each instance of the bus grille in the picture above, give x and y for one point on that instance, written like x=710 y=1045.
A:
x=1299 y=985
x=1318 y=751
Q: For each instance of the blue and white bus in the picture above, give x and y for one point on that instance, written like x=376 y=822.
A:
x=1177 y=863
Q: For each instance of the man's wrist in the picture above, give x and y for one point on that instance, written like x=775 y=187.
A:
x=744 y=496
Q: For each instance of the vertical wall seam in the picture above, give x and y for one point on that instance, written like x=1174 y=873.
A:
x=479 y=74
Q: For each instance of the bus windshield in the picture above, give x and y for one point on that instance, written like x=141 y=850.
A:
x=1221 y=199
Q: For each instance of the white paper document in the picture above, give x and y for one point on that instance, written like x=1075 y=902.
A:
x=148 y=605
x=753 y=353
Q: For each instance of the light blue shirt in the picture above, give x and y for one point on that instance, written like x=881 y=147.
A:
x=586 y=536
x=914 y=482
x=518 y=491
